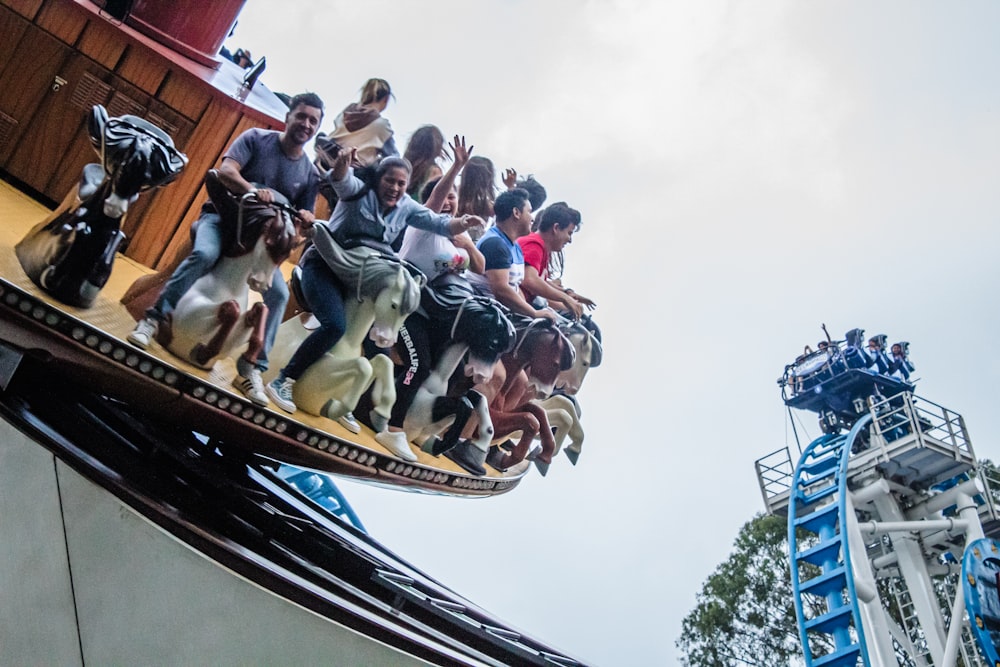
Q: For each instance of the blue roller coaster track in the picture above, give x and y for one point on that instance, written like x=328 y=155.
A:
x=820 y=557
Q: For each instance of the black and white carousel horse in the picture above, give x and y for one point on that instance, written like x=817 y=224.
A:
x=70 y=254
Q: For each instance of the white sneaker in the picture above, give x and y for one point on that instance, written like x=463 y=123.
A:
x=252 y=387
x=143 y=333
x=281 y=393
x=349 y=422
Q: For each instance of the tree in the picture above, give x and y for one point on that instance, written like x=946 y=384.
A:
x=745 y=613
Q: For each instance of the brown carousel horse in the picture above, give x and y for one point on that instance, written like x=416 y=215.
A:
x=212 y=319
x=528 y=372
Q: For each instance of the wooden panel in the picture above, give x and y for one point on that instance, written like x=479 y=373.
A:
x=180 y=240
x=102 y=42
x=143 y=68
x=119 y=99
x=63 y=20
x=12 y=27
x=55 y=145
x=26 y=8
x=173 y=215
x=25 y=81
x=185 y=94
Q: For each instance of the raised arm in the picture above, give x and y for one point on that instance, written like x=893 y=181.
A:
x=447 y=182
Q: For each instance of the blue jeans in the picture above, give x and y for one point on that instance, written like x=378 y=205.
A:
x=206 y=252
x=324 y=293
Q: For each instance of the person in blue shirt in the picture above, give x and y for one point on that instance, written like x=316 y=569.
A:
x=504 y=259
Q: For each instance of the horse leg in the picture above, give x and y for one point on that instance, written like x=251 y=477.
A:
x=142 y=294
x=383 y=392
x=489 y=391
x=544 y=433
x=562 y=415
x=505 y=423
x=255 y=320
x=560 y=423
x=445 y=407
x=485 y=429
x=227 y=315
x=357 y=373
x=576 y=437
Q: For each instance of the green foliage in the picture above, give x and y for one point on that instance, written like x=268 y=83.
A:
x=744 y=613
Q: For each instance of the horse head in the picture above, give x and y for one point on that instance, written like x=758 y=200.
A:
x=585 y=336
x=544 y=352
x=395 y=287
x=135 y=156
x=481 y=324
x=264 y=231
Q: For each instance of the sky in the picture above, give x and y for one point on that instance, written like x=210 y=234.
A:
x=746 y=171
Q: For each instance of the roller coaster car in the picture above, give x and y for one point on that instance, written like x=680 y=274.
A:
x=835 y=384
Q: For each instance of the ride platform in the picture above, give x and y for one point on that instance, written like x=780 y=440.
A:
x=89 y=345
x=911 y=442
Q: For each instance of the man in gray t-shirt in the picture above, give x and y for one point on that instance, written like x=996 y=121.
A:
x=258 y=161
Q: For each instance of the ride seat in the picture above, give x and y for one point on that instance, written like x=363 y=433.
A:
x=295 y=286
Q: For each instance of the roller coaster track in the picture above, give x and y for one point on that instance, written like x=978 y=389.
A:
x=822 y=575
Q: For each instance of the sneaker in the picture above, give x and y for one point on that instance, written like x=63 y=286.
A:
x=280 y=392
x=350 y=423
x=143 y=333
x=252 y=387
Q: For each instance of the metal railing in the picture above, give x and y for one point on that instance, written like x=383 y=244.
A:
x=905 y=415
x=774 y=475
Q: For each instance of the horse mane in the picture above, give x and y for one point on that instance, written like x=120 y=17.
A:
x=480 y=322
x=530 y=331
x=586 y=326
x=130 y=140
x=258 y=218
x=373 y=270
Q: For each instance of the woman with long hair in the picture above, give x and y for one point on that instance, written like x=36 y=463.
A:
x=362 y=126
x=425 y=147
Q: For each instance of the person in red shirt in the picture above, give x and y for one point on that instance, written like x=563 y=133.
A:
x=556 y=227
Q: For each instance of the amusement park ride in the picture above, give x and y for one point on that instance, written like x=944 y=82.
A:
x=111 y=439
x=890 y=518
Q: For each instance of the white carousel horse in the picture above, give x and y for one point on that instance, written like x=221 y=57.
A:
x=70 y=254
x=212 y=320
x=386 y=293
x=563 y=412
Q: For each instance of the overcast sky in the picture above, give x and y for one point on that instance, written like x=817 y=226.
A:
x=746 y=171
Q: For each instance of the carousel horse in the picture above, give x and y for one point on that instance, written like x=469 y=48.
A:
x=480 y=333
x=527 y=372
x=387 y=291
x=211 y=320
x=70 y=253
x=561 y=407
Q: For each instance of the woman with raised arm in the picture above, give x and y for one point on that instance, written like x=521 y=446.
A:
x=444 y=261
x=367 y=214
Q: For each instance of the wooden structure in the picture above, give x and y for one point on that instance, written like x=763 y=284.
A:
x=58 y=58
